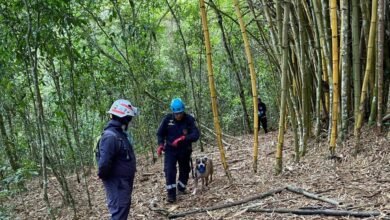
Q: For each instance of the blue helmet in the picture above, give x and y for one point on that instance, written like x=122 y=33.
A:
x=177 y=105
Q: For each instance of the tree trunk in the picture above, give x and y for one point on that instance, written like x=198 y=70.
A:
x=75 y=114
x=32 y=48
x=9 y=146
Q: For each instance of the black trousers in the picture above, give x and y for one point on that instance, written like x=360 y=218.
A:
x=263 y=122
x=170 y=160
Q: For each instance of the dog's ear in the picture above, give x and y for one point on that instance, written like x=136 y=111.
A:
x=197 y=160
x=204 y=160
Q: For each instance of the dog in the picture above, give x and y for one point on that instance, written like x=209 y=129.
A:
x=204 y=171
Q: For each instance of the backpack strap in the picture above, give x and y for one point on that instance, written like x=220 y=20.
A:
x=97 y=148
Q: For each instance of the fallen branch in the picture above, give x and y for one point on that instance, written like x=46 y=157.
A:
x=153 y=207
x=224 y=143
x=328 y=212
x=373 y=194
x=312 y=195
x=161 y=211
x=232 y=152
x=223 y=134
x=384 y=181
x=227 y=205
x=387 y=117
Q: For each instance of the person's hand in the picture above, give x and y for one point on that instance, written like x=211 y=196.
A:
x=176 y=142
x=160 y=149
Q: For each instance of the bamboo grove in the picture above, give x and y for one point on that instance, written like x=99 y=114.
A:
x=322 y=67
x=324 y=40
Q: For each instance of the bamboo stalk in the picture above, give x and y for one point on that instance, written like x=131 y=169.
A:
x=335 y=60
x=272 y=32
x=379 y=62
x=304 y=79
x=345 y=67
x=253 y=84
x=282 y=116
x=367 y=73
x=212 y=89
x=322 y=27
x=235 y=67
x=356 y=56
x=319 y=82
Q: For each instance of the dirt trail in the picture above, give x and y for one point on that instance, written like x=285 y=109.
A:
x=361 y=183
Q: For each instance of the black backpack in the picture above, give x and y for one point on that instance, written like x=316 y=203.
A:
x=96 y=150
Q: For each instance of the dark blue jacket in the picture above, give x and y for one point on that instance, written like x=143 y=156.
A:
x=170 y=129
x=262 y=109
x=117 y=158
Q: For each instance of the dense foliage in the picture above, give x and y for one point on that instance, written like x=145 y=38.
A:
x=62 y=64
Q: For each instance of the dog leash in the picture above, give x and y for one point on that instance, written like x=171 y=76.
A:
x=192 y=167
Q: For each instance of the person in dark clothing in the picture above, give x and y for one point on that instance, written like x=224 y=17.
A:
x=262 y=110
x=174 y=136
x=116 y=159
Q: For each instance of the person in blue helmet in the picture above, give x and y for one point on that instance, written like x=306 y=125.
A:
x=175 y=135
x=116 y=159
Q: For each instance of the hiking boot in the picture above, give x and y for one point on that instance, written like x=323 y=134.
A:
x=181 y=188
x=171 y=199
x=182 y=192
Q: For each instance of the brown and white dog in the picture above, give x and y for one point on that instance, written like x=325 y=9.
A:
x=204 y=171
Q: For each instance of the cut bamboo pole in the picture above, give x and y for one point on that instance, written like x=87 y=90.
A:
x=328 y=212
x=227 y=205
x=312 y=195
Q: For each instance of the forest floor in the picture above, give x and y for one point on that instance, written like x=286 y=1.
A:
x=360 y=183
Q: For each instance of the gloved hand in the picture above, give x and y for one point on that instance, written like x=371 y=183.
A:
x=176 y=142
x=160 y=149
